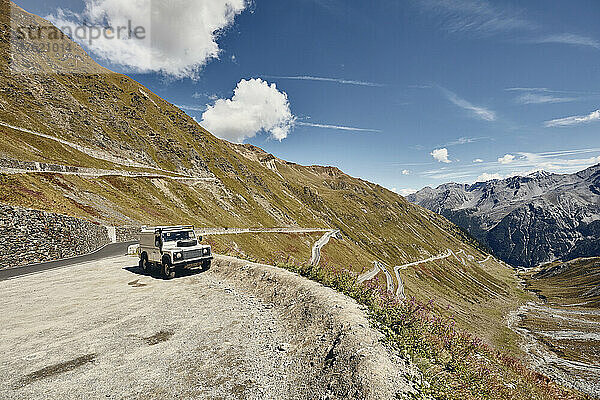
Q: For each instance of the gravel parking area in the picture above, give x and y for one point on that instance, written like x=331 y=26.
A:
x=104 y=330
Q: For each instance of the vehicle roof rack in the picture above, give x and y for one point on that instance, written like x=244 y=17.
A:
x=166 y=228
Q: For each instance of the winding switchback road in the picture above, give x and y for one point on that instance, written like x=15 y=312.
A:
x=316 y=250
x=237 y=231
x=370 y=274
x=378 y=266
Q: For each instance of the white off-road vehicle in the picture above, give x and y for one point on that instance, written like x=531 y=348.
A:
x=172 y=248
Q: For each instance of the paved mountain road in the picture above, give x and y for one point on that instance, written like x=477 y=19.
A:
x=316 y=249
x=238 y=231
x=110 y=250
x=97 y=154
x=107 y=172
x=370 y=274
x=119 y=249
x=378 y=266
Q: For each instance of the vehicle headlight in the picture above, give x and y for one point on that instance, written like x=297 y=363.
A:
x=206 y=251
x=178 y=256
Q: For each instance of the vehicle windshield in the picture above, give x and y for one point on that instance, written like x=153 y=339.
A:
x=177 y=236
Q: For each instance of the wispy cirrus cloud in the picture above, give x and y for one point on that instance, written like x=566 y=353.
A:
x=477 y=16
x=548 y=90
x=521 y=163
x=528 y=89
x=191 y=108
x=563 y=153
x=477 y=111
x=554 y=161
x=325 y=79
x=337 y=127
x=543 y=95
x=485 y=18
x=465 y=140
x=538 y=98
x=570 y=39
x=573 y=120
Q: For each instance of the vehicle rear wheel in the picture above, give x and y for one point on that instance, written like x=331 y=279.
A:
x=144 y=265
x=167 y=270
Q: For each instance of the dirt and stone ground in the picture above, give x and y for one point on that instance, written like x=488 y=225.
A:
x=239 y=330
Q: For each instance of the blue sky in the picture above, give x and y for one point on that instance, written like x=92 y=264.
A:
x=403 y=93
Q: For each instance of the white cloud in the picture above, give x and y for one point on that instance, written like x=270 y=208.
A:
x=191 y=108
x=487 y=177
x=441 y=155
x=528 y=89
x=506 y=159
x=537 y=98
x=337 y=127
x=406 y=192
x=323 y=79
x=569 y=38
x=180 y=36
x=255 y=106
x=542 y=95
x=465 y=140
x=574 y=120
x=478 y=111
x=405 y=172
x=478 y=160
x=550 y=161
x=557 y=161
x=202 y=95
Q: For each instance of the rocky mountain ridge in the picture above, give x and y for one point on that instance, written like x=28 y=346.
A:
x=525 y=220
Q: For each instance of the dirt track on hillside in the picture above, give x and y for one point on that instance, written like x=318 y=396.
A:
x=239 y=331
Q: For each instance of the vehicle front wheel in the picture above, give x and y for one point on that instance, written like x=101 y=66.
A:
x=205 y=265
x=167 y=270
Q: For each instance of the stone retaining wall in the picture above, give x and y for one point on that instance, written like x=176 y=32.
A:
x=128 y=233
x=31 y=236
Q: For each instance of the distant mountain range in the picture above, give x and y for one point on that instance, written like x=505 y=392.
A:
x=525 y=220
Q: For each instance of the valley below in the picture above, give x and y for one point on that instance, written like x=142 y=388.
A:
x=561 y=330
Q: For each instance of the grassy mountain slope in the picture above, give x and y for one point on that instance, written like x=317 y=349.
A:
x=564 y=323
x=571 y=284
x=109 y=121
